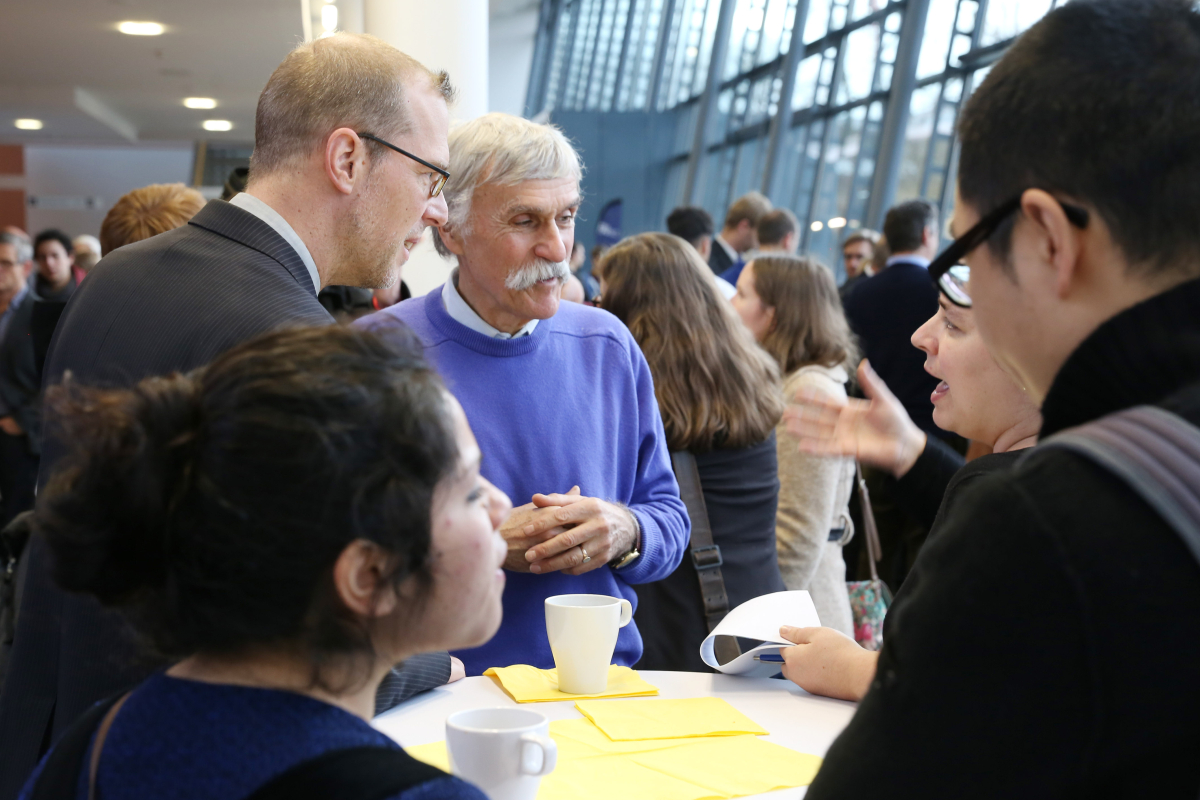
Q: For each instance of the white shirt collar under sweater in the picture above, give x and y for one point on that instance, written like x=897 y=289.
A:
x=248 y=202
x=463 y=314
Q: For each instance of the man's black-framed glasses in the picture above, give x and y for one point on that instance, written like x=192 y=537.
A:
x=952 y=276
x=438 y=182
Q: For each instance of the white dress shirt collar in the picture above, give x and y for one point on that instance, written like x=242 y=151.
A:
x=724 y=245
x=463 y=314
x=248 y=202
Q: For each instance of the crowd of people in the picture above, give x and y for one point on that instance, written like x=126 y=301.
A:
x=255 y=527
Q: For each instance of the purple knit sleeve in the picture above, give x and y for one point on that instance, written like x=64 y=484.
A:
x=666 y=528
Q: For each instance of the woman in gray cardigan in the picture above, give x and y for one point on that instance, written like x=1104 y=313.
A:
x=791 y=306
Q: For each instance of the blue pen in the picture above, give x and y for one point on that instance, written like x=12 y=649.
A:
x=776 y=659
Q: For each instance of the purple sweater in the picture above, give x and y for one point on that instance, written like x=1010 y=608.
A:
x=572 y=403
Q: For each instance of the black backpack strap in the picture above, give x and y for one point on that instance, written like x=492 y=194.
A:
x=1155 y=452
x=356 y=773
x=64 y=766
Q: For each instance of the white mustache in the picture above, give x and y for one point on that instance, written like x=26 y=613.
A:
x=540 y=270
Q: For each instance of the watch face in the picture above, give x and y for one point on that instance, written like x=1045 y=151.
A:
x=628 y=559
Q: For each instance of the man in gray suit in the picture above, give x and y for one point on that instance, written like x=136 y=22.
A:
x=348 y=166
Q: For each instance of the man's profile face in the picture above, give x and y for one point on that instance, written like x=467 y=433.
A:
x=856 y=256
x=395 y=207
x=514 y=229
x=13 y=273
x=54 y=262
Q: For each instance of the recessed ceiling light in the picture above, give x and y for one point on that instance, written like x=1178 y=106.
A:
x=217 y=125
x=329 y=17
x=141 y=28
x=199 y=102
x=837 y=222
x=28 y=124
x=817 y=226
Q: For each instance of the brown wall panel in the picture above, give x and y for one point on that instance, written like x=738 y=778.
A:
x=12 y=208
x=12 y=159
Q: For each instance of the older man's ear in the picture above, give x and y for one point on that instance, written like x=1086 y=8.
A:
x=449 y=240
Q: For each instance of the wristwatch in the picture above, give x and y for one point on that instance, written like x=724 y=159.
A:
x=625 y=560
x=633 y=554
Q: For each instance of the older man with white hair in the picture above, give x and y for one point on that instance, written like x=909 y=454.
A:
x=559 y=395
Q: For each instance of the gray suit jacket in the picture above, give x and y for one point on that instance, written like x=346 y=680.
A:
x=170 y=303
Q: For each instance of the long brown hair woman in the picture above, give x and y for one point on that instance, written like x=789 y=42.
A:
x=720 y=399
x=791 y=305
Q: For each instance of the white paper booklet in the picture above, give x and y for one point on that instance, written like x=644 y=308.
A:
x=761 y=619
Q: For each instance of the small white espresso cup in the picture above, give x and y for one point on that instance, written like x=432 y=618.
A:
x=583 y=634
x=503 y=751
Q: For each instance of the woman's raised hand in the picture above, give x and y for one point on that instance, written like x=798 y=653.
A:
x=877 y=431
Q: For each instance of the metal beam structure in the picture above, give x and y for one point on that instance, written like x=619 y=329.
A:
x=787 y=90
x=660 y=53
x=543 y=56
x=802 y=124
x=716 y=65
x=895 y=119
x=624 y=58
x=576 y=12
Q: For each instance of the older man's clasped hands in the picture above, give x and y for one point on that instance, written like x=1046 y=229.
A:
x=567 y=532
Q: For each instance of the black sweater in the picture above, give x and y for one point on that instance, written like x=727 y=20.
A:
x=1048 y=640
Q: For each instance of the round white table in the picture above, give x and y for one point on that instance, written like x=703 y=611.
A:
x=795 y=718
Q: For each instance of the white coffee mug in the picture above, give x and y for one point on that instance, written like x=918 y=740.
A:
x=503 y=751
x=583 y=634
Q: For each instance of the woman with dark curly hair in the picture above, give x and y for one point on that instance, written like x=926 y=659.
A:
x=286 y=525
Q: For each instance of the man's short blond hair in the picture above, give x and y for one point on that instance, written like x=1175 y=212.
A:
x=347 y=80
x=503 y=150
x=148 y=212
x=751 y=206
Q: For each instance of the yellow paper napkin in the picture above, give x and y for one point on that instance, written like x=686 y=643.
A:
x=527 y=684
x=580 y=738
x=632 y=720
x=434 y=754
x=730 y=766
x=592 y=767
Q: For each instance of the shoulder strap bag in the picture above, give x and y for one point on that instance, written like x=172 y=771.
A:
x=706 y=554
x=869 y=600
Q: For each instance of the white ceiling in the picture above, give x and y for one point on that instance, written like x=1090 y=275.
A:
x=66 y=64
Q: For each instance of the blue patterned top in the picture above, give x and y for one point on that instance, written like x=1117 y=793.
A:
x=189 y=740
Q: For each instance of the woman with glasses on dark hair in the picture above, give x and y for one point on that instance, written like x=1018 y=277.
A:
x=720 y=400
x=976 y=399
x=286 y=525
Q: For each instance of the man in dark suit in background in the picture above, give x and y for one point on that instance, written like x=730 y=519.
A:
x=884 y=311
x=19 y=380
x=887 y=309
x=739 y=232
x=325 y=205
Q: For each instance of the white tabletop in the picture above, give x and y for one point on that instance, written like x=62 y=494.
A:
x=795 y=718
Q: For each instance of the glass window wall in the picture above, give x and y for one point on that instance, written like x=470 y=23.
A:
x=816 y=150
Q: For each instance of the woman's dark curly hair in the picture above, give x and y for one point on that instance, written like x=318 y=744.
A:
x=212 y=506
